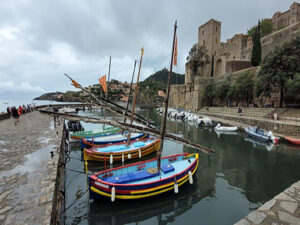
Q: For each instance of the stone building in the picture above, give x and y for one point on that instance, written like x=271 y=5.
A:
x=231 y=56
x=286 y=26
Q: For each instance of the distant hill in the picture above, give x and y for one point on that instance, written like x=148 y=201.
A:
x=148 y=89
x=162 y=77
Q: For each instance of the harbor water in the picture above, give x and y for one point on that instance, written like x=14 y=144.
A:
x=239 y=177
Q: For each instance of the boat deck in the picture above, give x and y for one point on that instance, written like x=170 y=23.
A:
x=143 y=175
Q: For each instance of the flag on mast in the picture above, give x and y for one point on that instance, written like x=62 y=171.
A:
x=75 y=84
x=102 y=81
x=175 y=52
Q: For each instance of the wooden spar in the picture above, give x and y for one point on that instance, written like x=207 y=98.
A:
x=135 y=94
x=164 y=120
x=128 y=126
x=130 y=89
x=108 y=79
x=98 y=102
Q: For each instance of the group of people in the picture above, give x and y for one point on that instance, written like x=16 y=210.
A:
x=17 y=112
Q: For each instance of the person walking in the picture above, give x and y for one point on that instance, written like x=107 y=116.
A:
x=15 y=114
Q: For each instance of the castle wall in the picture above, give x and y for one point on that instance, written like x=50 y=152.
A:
x=269 y=42
x=236 y=65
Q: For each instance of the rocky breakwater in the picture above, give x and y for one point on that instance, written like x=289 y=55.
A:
x=27 y=170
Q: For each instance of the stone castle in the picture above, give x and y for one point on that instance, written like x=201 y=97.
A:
x=230 y=57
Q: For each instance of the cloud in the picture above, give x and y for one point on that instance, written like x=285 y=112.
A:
x=12 y=89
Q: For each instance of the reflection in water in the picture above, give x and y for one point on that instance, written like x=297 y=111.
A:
x=165 y=207
x=239 y=177
x=256 y=143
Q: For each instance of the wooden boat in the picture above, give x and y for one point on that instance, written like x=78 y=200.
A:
x=142 y=179
x=292 y=140
x=110 y=139
x=118 y=152
x=261 y=134
x=225 y=129
x=95 y=133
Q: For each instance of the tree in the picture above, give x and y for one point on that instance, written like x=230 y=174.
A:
x=223 y=88
x=292 y=90
x=245 y=87
x=280 y=66
x=265 y=29
x=198 y=57
x=209 y=94
x=256 y=51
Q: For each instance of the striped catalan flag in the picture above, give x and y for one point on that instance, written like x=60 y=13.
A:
x=102 y=81
x=175 y=52
x=75 y=84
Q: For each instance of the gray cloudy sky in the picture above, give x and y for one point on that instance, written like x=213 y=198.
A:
x=41 y=40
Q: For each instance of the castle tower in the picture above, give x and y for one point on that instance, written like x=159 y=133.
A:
x=209 y=35
x=294 y=13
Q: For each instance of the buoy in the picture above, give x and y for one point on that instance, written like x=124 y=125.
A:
x=113 y=194
x=175 y=187
x=140 y=153
x=190 y=177
x=111 y=159
x=122 y=158
x=129 y=156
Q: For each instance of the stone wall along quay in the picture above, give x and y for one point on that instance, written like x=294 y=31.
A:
x=282 y=209
x=27 y=171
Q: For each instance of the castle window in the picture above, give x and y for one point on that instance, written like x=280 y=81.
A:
x=204 y=42
x=216 y=29
x=216 y=40
x=243 y=56
x=203 y=32
x=233 y=57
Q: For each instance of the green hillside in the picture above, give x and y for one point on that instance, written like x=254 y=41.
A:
x=162 y=77
x=148 y=89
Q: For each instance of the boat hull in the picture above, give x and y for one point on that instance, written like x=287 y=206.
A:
x=261 y=137
x=293 y=140
x=86 y=143
x=118 y=156
x=100 y=188
x=89 y=134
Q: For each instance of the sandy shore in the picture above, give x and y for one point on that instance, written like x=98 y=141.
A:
x=27 y=171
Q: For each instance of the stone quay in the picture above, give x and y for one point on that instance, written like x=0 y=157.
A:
x=27 y=170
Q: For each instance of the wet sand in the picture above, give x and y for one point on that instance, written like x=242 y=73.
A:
x=27 y=171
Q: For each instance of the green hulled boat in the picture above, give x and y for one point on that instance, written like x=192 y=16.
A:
x=108 y=130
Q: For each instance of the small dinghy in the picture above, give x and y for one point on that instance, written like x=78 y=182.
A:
x=225 y=129
x=293 y=140
x=142 y=179
x=261 y=134
x=121 y=152
x=95 y=133
x=110 y=139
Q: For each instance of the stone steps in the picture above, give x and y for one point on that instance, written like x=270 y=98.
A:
x=252 y=112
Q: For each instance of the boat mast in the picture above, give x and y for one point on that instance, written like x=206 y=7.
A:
x=135 y=94
x=108 y=80
x=164 y=120
x=130 y=89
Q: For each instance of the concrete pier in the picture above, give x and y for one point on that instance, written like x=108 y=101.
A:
x=284 y=208
x=27 y=171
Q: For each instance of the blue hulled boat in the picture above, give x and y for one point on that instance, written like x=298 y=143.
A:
x=260 y=134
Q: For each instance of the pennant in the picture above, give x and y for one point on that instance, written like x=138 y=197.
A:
x=75 y=84
x=102 y=81
x=175 y=52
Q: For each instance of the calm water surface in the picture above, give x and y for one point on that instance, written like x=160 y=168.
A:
x=238 y=178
